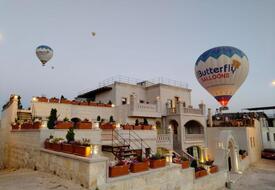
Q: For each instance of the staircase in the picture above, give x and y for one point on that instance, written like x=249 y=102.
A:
x=24 y=115
x=132 y=148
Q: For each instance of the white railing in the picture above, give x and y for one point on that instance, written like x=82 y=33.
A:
x=145 y=107
x=194 y=137
x=163 y=138
x=192 y=111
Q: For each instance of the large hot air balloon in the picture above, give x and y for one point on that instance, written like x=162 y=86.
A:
x=221 y=71
x=44 y=53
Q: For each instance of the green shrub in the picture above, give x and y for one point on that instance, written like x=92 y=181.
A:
x=52 y=119
x=70 y=135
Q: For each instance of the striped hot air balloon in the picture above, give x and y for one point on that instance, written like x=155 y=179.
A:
x=221 y=71
x=44 y=53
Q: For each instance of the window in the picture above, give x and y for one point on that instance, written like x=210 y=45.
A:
x=123 y=100
x=141 y=101
x=267 y=136
x=251 y=142
x=274 y=136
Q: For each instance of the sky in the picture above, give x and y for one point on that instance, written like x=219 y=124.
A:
x=143 y=39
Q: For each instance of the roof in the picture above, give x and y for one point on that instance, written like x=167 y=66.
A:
x=260 y=108
x=93 y=93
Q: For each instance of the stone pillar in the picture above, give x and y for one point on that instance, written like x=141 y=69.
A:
x=202 y=107
x=209 y=118
x=158 y=104
x=133 y=101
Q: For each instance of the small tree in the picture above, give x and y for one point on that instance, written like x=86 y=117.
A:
x=137 y=122
x=19 y=103
x=70 y=135
x=98 y=118
x=62 y=97
x=145 y=122
x=52 y=119
x=111 y=120
x=110 y=102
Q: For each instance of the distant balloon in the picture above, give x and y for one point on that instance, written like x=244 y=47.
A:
x=93 y=33
x=221 y=71
x=44 y=53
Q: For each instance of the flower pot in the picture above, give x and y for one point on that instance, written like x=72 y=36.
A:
x=57 y=147
x=137 y=127
x=107 y=126
x=185 y=164
x=197 y=174
x=139 y=167
x=128 y=127
x=108 y=105
x=64 y=101
x=26 y=126
x=83 y=125
x=118 y=170
x=157 y=163
x=67 y=148
x=15 y=126
x=213 y=169
x=63 y=125
x=203 y=173
x=42 y=99
x=84 y=151
x=100 y=105
x=147 y=127
x=75 y=102
x=48 y=145
x=36 y=125
x=54 y=100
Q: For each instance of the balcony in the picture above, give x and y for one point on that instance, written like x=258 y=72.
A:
x=180 y=109
x=144 y=110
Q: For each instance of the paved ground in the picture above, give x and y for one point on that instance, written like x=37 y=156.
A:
x=261 y=176
x=25 y=179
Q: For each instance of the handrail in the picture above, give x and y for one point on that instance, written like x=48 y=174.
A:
x=142 y=140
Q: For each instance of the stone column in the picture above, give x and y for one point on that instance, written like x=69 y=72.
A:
x=209 y=118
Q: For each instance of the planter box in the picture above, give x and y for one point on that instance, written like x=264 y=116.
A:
x=137 y=127
x=108 y=105
x=57 y=147
x=146 y=127
x=84 y=151
x=26 y=126
x=36 y=125
x=42 y=99
x=75 y=102
x=64 y=101
x=93 y=104
x=48 y=145
x=185 y=164
x=15 y=126
x=157 y=163
x=54 y=100
x=67 y=148
x=118 y=170
x=128 y=127
x=200 y=173
x=107 y=126
x=213 y=169
x=84 y=103
x=139 y=167
x=63 y=125
x=84 y=125
x=197 y=174
x=100 y=105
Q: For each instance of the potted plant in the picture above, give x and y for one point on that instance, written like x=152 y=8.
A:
x=83 y=148
x=54 y=100
x=84 y=103
x=57 y=144
x=52 y=119
x=184 y=163
x=157 y=161
x=200 y=172
x=137 y=126
x=65 y=124
x=213 y=169
x=92 y=103
x=85 y=124
x=26 y=125
x=42 y=99
x=64 y=100
x=139 y=166
x=75 y=102
x=36 y=125
x=122 y=168
x=128 y=127
x=15 y=125
x=49 y=142
x=67 y=147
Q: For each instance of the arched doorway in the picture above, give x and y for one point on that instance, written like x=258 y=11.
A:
x=176 y=140
x=194 y=151
x=193 y=127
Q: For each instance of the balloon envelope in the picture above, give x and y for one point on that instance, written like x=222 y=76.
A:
x=221 y=71
x=44 y=53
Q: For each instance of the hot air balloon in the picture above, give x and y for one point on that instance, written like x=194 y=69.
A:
x=44 y=53
x=93 y=34
x=221 y=71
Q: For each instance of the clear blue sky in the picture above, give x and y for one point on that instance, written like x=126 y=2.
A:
x=141 y=38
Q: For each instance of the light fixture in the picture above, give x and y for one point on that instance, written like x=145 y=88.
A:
x=34 y=99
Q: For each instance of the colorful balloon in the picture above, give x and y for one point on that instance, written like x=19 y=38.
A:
x=44 y=53
x=221 y=71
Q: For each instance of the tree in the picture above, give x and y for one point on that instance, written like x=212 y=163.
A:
x=145 y=122
x=111 y=120
x=52 y=119
x=137 y=122
x=70 y=135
